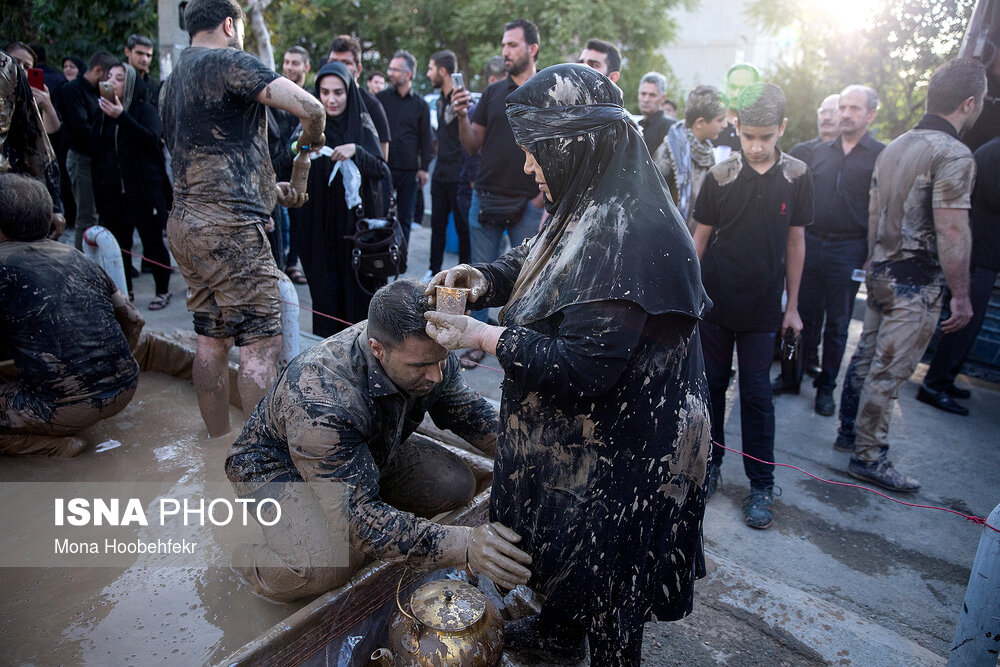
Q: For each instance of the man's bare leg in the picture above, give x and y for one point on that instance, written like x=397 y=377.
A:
x=211 y=383
x=258 y=369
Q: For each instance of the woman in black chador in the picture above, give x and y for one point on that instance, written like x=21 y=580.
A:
x=326 y=217
x=604 y=441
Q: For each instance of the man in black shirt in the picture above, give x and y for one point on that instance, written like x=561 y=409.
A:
x=447 y=172
x=505 y=198
x=655 y=123
x=939 y=387
x=410 y=125
x=347 y=50
x=827 y=128
x=69 y=331
x=79 y=108
x=750 y=216
x=139 y=53
x=837 y=241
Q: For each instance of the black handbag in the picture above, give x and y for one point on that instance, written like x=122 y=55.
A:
x=498 y=210
x=379 y=245
x=791 y=362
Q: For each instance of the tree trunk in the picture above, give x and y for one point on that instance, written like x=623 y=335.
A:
x=261 y=33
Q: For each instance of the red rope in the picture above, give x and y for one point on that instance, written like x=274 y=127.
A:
x=968 y=517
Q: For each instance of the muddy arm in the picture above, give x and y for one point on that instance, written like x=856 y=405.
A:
x=128 y=318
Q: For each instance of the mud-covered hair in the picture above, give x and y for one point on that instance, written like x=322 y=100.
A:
x=703 y=102
x=761 y=105
x=954 y=82
x=396 y=312
x=25 y=208
x=206 y=15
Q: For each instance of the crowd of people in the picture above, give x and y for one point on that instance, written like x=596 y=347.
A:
x=641 y=254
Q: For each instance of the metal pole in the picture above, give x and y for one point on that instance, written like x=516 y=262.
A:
x=977 y=637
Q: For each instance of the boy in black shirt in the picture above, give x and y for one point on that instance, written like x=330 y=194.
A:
x=750 y=216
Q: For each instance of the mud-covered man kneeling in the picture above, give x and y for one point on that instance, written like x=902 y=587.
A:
x=333 y=442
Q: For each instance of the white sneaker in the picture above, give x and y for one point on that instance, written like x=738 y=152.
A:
x=427 y=277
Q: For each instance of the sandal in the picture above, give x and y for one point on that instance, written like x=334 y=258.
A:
x=296 y=276
x=160 y=301
x=471 y=358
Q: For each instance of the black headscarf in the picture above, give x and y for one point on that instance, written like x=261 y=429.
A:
x=614 y=232
x=354 y=125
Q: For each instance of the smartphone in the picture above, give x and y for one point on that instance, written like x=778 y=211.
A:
x=458 y=80
x=36 y=78
x=108 y=91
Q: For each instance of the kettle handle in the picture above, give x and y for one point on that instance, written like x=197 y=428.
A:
x=400 y=605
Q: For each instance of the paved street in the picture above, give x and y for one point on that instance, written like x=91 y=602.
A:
x=843 y=576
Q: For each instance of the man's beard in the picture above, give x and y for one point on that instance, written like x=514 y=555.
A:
x=235 y=42
x=518 y=66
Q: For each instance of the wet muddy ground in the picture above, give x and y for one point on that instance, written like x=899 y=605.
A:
x=143 y=614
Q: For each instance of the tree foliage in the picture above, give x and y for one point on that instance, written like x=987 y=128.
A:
x=78 y=27
x=473 y=30
x=901 y=44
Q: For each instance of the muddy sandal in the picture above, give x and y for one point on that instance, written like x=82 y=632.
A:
x=296 y=276
x=160 y=301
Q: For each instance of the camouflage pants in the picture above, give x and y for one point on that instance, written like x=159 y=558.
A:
x=899 y=322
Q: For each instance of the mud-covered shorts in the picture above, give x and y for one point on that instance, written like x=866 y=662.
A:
x=231 y=276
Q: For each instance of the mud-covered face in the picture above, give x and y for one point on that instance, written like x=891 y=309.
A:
x=533 y=169
x=415 y=366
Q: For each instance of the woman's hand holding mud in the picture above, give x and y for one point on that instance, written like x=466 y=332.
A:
x=454 y=332
x=462 y=275
x=491 y=552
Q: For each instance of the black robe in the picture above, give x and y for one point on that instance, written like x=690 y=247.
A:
x=605 y=438
x=326 y=219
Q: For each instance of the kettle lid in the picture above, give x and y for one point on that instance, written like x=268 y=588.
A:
x=448 y=605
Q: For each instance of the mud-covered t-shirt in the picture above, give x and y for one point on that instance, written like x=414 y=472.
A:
x=335 y=416
x=217 y=134
x=920 y=171
x=58 y=323
x=743 y=267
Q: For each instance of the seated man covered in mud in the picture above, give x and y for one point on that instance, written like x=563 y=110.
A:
x=67 y=328
x=332 y=443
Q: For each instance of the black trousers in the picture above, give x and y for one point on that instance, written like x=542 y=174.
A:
x=123 y=222
x=444 y=202
x=953 y=348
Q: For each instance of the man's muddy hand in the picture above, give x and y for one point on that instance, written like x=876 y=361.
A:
x=289 y=197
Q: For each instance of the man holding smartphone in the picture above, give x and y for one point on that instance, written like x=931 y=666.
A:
x=450 y=157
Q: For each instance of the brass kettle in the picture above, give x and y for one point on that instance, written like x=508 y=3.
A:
x=450 y=624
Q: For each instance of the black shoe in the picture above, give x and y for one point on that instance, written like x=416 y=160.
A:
x=135 y=274
x=813 y=370
x=824 y=401
x=712 y=480
x=844 y=441
x=758 y=508
x=881 y=473
x=958 y=392
x=941 y=401
x=534 y=639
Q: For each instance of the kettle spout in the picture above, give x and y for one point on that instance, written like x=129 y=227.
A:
x=381 y=658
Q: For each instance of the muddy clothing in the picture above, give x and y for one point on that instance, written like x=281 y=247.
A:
x=24 y=146
x=334 y=415
x=926 y=168
x=685 y=183
x=217 y=135
x=744 y=264
x=223 y=192
x=231 y=276
x=65 y=382
x=602 y=458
